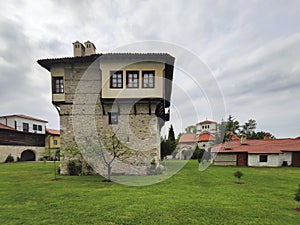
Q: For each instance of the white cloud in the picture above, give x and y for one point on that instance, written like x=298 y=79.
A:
x=252 y=47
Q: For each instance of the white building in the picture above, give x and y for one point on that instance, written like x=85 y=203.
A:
x=266 y=152
x=24 y=123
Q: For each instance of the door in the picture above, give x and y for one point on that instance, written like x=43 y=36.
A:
x=242 y=159
x=296 y=159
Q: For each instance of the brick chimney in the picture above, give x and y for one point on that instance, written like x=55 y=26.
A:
x=267 y=136
x=90 y=48
x=244 y=139
x=227 y=145
x=79 y=49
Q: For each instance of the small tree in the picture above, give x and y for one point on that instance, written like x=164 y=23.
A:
x=297 y=195
x=113 y=149
x=238 y=175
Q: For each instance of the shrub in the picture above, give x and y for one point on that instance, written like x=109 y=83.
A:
x=238 y=175
x=155 y=169
x=74 y=167
x=198 y=153
x=9 y=159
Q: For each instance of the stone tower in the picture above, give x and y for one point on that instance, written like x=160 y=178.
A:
x=128 y=93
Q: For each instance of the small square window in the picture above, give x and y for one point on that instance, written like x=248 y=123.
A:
x=116 y=79
x=54 y=142
x=263 y=158
x=113 y=118
x=148 y=79
x=132 y=79
x=40 y=128
x=34 y=127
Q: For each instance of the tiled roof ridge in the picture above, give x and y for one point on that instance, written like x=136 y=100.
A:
x=53 y=131
x=25 y=117
x=206 y=121
x=112 y=53
x=3 y=126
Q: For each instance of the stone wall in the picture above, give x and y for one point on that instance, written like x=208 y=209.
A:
x=225 y=159
x=16 y=151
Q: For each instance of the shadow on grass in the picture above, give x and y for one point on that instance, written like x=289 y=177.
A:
x=56 y=179
x=238 y=182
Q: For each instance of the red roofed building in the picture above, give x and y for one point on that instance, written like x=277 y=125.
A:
x=204 y=138
x=22 y=137
x=267 y=152
x=189 y=139
x=24 y=123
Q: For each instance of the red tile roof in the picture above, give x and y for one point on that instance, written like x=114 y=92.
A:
x=52 y=131
x=2 y=126
x=26 y=117
x=206 y=122
x=206 y=137
x=270 y=146
x=188 y=138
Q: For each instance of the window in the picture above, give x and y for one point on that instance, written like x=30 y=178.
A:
x=116 y=79
x=113 y=118
x=148 y=79
x=58 y=85
x=34 y=127
x=25 y=127
x=263 y=158
x=132 y=79
x=54 y=142
x=16 y=125
x=40 y=128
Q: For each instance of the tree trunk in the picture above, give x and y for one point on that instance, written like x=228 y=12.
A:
x=109 y=172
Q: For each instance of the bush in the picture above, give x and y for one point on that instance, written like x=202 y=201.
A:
x=74 y=167
x=238 y=175
x=198 y=153
x=9 y=159
x=155 y=169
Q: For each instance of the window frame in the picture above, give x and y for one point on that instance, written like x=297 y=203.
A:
x=135 y=72
x=54 y=142
x=35 y=127
x=58 y=85
x=263 y=158
x=143 y=78
x=40 y=128
x=110 y=121
x=111 y=79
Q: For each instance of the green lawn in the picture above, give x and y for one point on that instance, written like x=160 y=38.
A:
x=28 y=195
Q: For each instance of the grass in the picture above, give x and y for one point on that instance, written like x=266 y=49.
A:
x=28 y=195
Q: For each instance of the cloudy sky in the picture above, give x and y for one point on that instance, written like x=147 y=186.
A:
x=252 y=49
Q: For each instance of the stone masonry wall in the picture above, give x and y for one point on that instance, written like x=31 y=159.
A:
x=16 y=151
